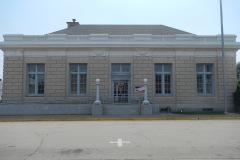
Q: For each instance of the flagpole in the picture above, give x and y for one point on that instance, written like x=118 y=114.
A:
x=223 y=61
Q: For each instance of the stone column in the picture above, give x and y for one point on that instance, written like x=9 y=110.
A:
x=145 y=102
x=146 y=107
x=97 y=108
x=97 y=102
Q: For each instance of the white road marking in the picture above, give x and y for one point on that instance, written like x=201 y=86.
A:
x=120 y=142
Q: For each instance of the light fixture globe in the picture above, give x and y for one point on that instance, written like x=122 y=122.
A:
x=97 y=80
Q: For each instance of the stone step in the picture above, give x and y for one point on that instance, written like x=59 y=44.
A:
x=121 y=110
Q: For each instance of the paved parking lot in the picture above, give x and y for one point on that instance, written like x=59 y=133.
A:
x=204 y=139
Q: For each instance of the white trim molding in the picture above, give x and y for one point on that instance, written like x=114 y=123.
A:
x=188 y=41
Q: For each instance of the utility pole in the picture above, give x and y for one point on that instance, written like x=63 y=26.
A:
x=223 y=61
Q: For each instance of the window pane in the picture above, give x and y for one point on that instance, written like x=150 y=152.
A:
x=73 y=83
x=83 y=68
x=40 y=68
x=73 y=67
x=167 y=68
x=31 y=84
x=158 y=84
x=204 y=78
x=208 y=83
x=167 y=84
x=200 y=78
x=125 y=68
x=158 y=67
x=209 y=78
x=78 y=78
x=208 y=68
x=115 y=68
x=73 y=78
x=200 y=83
x=73 y=88
x=41 y=84
x=167 y=79
x=209 y=88
x=167 y=89
x=199 y=88
x=158 y=78
x=158 y=88
x=83 y=80
x=163 y=87
x=199 y=67
x=31 y=67
x=83 y=88
x=121 y=68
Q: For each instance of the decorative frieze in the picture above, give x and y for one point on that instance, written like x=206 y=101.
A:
x=117 y=52
x=98 y=52
x=142 y=52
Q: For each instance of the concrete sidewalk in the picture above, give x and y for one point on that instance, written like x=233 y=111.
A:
x=163 y=116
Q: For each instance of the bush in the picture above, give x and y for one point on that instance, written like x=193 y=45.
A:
x=236 y=97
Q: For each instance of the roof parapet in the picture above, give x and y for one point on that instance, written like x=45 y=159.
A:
x=107 y=37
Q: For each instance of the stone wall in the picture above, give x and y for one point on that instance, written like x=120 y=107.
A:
x=13 y=79
x=231 y=78
x=56 y=79
x=185 y=80
x=99 y=66
x=143 y=68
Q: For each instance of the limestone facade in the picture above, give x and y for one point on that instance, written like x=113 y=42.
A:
x=99 y=56
x=184 y=83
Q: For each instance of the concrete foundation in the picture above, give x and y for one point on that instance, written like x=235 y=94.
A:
x=105 y=109
x=146 y=109
x=97 y=110
x=121 y=110
x=44 y=109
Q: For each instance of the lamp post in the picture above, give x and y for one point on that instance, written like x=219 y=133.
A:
x=223 y=61
x=97 y=102
x=145 y=102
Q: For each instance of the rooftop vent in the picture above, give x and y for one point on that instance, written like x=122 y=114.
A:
x=73 y=23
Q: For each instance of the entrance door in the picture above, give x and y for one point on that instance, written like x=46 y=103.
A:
x=120 y=92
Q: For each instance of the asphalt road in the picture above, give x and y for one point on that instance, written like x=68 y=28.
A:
x=216 y=139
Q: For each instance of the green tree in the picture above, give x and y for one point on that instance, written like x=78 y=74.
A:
x=236 y=94
x=238 y=70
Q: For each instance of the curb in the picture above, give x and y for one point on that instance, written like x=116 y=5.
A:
x=119 y=119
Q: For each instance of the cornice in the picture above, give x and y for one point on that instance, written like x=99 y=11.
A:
x=121 y=41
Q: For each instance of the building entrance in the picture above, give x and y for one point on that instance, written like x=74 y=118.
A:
x=121 y=91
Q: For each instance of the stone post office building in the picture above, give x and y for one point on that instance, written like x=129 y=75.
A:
x=184 y=70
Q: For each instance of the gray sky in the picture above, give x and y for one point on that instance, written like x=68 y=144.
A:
x=36 y=17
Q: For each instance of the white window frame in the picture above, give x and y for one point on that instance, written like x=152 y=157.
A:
x=204 y=74
x=78 y=79
x=36 y=73
x=163 y=73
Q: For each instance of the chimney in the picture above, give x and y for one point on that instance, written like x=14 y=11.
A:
x=73 y=23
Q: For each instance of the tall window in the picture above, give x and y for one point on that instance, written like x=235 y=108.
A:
x=35 y=81
x=78 y=79
x=163 y=79
x=205 y=79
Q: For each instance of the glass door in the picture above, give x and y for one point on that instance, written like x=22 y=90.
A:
x=120 y=92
